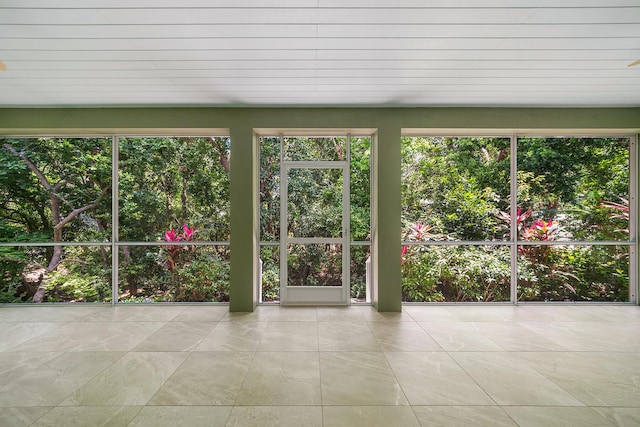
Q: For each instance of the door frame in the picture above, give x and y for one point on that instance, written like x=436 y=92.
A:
x=315 y=295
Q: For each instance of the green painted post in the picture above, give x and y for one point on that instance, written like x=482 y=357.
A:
x=244 y=244
x=387 y=220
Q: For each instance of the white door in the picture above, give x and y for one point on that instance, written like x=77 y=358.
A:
x=314 y=238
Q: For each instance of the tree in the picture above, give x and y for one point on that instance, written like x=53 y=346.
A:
x=56 y=180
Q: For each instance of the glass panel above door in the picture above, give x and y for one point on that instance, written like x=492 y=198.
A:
x=327 y=148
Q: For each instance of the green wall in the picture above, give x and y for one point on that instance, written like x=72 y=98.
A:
x=389 y=123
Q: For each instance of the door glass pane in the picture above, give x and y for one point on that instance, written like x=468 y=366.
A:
x=573 y=273
x=314 y=206
x=327 y=148
x=314 y=264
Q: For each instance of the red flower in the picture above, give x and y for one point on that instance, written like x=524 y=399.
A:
x=170 y=236
x=188 y=232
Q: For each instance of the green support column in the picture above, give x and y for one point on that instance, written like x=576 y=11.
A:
x=244 y=244
x=387 y=220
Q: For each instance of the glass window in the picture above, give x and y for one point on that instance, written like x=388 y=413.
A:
x=455 y=188
x=573 y=189
x=168 y=182
x=180 y=273
x=456 y=273
x=573 y=273
x=324 y=148
x=572 y=192
x=55 y=189
x=174 y=190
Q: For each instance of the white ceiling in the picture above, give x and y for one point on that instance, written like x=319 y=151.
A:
x=320 y=52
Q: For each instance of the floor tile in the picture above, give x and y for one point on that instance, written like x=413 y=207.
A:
x=402 y=336
x=339 y=314
x=21 y=416
x=172 y=416
x=596 y=378
x=369 y=416
x=282 y=378
x=135 y=313
x=435 y=379
x=176 y=336
x=477 y=416
x=589 y=336
x=92 y=336
x=260 y=314
x=40 y=313
x=358 y=379
x=621 y=417
x=294 y=314
x=509 y=381
x=430 y=313
x=459 y=336
x=233 y=336
x=16 y=365
x=50 y=383
x=372 y=315
x=81 y=416
x=132 y=380
x=13 y=335
x=205 y=313
x=561 y=313
x=513 y=336
x=555 y=416
x=479 y=312
x=290 y=336
x=205 y=379
x=289 y=366
x=617 y=313
x=346 y=336
x=281 y=416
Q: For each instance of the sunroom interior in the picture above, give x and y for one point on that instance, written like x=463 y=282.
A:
x=319 y=212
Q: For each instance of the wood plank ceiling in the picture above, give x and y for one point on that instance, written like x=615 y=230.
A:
x=319 y=52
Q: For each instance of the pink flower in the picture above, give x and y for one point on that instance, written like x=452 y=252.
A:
x=419 y=231
x=188 y=232
x=521 y=216
x=170 y=236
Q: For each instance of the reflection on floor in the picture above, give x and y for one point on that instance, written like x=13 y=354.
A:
x=428 y=366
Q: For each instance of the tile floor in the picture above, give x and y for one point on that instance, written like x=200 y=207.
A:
x=428 y=366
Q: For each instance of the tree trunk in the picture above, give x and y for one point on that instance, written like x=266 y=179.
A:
x=223 y=154
x=183 y=199
x=56 y=215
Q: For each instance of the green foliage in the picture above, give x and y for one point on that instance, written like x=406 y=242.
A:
x=572 y=188
x=456 y=273
x=270 y=256
x=163 y=183
x=455 y=185
x=12 y=263
x=167 y=182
